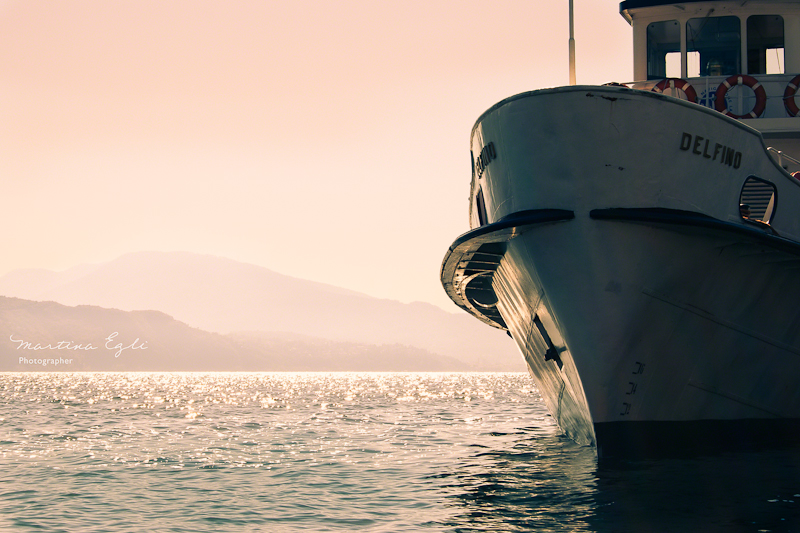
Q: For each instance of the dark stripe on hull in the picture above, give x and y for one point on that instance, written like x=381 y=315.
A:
x=651 y=440
x=469 y=265
x=516 y=220
x=757 y=231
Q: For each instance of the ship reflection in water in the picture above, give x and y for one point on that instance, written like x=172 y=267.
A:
x=553 y=484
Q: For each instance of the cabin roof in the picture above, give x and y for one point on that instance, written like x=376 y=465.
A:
x=634 y=4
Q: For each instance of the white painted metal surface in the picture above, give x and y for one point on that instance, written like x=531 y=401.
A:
x=609 y=239
x=652 y=321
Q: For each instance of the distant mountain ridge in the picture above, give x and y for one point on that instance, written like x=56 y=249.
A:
x=223 y=296
x=47 y=336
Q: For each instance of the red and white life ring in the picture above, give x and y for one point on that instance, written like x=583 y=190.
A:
x=788 y=97
x=676 y=83
x=749 y=81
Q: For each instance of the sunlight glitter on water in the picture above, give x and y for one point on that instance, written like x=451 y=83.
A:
x=138 y=415
x=342 y=451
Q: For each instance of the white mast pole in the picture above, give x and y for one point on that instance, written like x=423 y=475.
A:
x=571 y=46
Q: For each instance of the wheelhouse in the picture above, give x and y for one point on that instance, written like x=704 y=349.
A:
x=740 y=58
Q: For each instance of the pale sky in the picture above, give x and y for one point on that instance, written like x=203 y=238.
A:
x=326 y=140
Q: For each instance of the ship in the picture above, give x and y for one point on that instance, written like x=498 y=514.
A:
x=640 y=241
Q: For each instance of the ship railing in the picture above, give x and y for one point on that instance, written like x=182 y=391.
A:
x=782 y=159
x=778 y=98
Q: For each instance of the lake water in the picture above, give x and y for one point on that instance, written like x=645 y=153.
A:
x=186 y=452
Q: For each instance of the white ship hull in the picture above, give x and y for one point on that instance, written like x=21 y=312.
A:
x=607 y=239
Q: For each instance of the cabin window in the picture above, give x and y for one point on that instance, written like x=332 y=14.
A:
x=713 y=45
x=663 y=50
x=693 y=64
x=758 y=200
x=765 y=44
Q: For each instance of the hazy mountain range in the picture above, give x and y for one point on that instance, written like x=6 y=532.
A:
x=47 y=336
x=202 y=310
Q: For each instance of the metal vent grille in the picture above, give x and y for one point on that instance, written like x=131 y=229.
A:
x=760 y=196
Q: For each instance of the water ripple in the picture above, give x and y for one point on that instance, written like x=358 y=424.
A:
x=185 y=452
